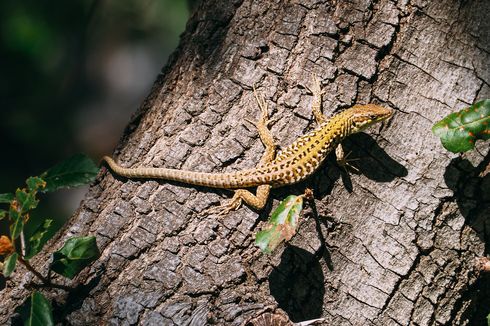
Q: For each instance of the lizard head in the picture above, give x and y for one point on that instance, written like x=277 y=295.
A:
x=363 y=116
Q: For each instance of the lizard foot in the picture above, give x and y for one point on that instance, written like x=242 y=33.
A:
x=222 y=210
x=344 y=162
x=264 y=122
x=316 y=86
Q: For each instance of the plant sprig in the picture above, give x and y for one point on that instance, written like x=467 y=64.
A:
x=77 y=252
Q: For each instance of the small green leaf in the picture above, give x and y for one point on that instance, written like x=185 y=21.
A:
x=38 y=239
x=9 y=264
x=75 y=171
x=287 y=211
x=27 y=200
x=3 y=213
x=268 y=239
x=76 y=254
x=37 y=311
x=6 y=198
x=35 y=184
x=24 y=202
x=282 y=224
x=460 y=130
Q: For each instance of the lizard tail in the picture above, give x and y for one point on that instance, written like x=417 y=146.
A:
x=213 y=180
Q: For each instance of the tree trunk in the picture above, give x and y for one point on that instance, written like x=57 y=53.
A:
x=394 y=245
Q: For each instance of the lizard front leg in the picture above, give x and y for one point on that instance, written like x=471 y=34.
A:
x=316 y=103
x=263 y=130
x=259 y=200
x=343 y=161
x=316 y=108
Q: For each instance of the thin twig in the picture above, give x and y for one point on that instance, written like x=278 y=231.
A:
x=51 y=285
x=46 y=281
x=22 y=243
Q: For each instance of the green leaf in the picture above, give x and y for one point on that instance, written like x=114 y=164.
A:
x=34 y=184
x=9 y=264
x=37 y=311
x=75 y=171
x=38 y=239
x=76 y=254
x=3 y=213
x=6 y=198
x=287 y=211
x=268 y=239
x=27 y=200
x=460 y=130
x=282 y=224
x=24 y=202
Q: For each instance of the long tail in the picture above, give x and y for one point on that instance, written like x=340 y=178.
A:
x=213 y=180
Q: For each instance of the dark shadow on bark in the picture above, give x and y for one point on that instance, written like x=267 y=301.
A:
x=329 y=224
x=75 y=298
x=297 y=284
x=372 y=160
x=73 y=302
x=472 y=194
x=324 y=251
x=16 y=318
x=479 y=293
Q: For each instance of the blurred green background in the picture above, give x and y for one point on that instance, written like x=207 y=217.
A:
x=71 y=75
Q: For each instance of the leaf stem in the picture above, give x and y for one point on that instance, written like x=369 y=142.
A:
x=32 y=269
x=46 y=282
x=52 y=285
x=22 y=244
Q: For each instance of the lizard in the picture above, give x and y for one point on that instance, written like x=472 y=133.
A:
x=291 y=165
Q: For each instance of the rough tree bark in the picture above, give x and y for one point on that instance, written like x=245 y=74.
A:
x=394 y=245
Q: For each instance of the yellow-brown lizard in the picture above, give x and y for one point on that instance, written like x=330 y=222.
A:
x=291 y=165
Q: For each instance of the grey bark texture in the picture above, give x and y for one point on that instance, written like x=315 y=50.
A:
x=394 y=245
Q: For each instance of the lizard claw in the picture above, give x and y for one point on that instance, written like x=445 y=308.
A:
x=262 y=122
x=344 y=162
x=222 y=210
x=315 y=88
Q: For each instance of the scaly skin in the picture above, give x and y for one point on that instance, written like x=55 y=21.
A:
x=293 y=164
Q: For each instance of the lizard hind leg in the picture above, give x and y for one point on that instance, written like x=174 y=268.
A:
x=257 y=201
